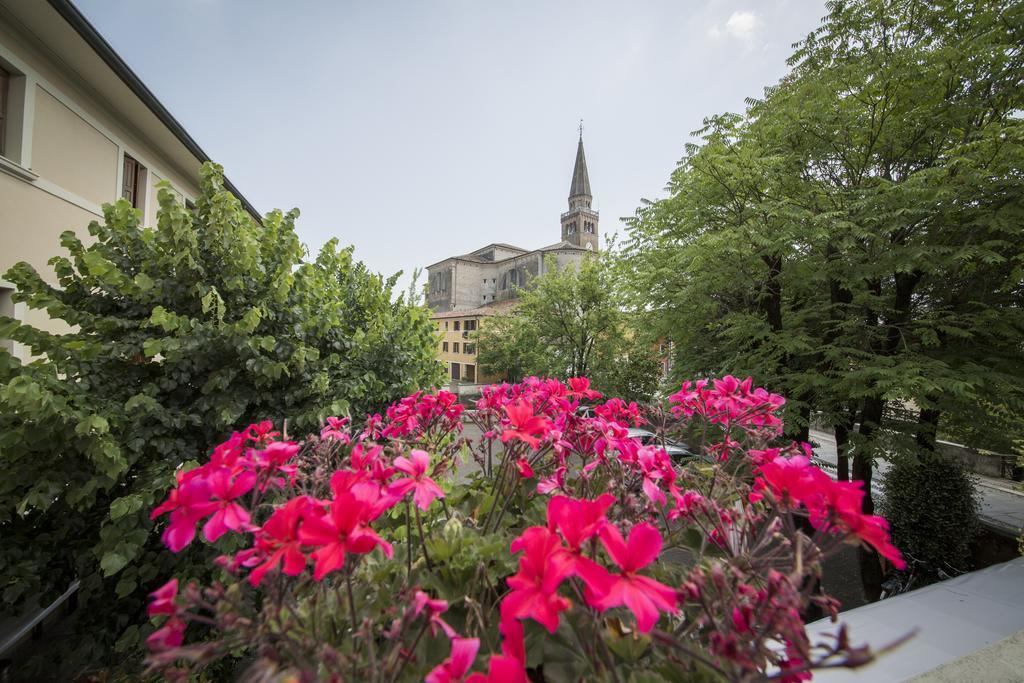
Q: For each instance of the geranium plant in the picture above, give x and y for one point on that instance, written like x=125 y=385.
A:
x=519 y=541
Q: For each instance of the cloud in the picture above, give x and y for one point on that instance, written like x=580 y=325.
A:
x=742 y=26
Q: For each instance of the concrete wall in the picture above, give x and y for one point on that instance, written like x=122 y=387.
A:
x=979 y=462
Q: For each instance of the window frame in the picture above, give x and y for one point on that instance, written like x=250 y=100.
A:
x=139 y=175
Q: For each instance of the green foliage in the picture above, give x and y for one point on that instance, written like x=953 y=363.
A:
x=174 y=334
x=571 y=322
x=932 y=506
x=854 y=240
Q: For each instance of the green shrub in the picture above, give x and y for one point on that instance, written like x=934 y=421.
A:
x=933 y=507
x=178 y=333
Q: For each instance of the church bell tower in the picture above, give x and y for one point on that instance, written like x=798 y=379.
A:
x=579 y=223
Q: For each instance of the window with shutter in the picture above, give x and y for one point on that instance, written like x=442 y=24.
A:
x=132 y=184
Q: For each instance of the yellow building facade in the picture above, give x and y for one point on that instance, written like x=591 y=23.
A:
x=457 y=348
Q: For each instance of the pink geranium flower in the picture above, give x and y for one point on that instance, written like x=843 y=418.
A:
x=167 y=637
x=542 y=568
x=501 y=669
x=580 y=387
x=525 y=470
x=258 y=431
x=455 y=668
x=434 y=608
x=578 y=521
x=337 y=533
x=792 y=481
x=188 y=503
x=163 y=599
x=336 y=429
x=425 y=489
x=555 y=482
x=278 y=540
x=525 y=426
x=227 y=514
x=645 y=597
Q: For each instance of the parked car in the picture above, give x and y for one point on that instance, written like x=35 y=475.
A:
x=585 y=411
x=677 y=451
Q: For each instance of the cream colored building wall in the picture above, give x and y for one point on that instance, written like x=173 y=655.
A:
x=68 y=151
x=66 y=162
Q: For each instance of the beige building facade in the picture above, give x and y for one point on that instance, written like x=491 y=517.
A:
x=77 y=129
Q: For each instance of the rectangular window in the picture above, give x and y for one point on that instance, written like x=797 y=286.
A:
x=470 y=373
x=457 y=323
x=134 y=183
x=455 y=347
x=446 y=324
x=5 y=96
x=455 y=371
x=444 y=347
x=469 y=349
x=470 y=325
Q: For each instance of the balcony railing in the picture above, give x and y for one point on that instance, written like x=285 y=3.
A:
x=589 y=212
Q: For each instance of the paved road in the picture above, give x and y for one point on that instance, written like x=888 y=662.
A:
x=1002 y=506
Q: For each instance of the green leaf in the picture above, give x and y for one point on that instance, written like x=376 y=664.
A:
x=125 y=505
x=143 y=282
x=125 y=587
x=112 y=563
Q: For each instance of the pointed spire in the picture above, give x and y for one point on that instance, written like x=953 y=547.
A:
x=580 y=179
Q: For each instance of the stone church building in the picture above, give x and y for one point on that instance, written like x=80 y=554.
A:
x=494 y=273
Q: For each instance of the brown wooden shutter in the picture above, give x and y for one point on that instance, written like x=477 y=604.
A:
x=129 y=184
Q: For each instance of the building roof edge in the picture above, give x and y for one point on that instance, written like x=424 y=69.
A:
x=98 y=43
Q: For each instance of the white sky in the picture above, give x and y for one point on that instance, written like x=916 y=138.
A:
x=419 y=130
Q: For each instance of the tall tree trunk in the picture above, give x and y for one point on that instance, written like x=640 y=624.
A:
x=842 y=429
x=804 y=432
x=870 y=422
x=840 y=298
x=771 y=297
x=928 y=428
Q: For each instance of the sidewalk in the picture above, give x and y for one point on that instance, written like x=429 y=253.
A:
x=1004 y=485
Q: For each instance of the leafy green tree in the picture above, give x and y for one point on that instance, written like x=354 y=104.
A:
x=570 y=322
x=854 y=239
x=177 y=334
x=508 y=347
